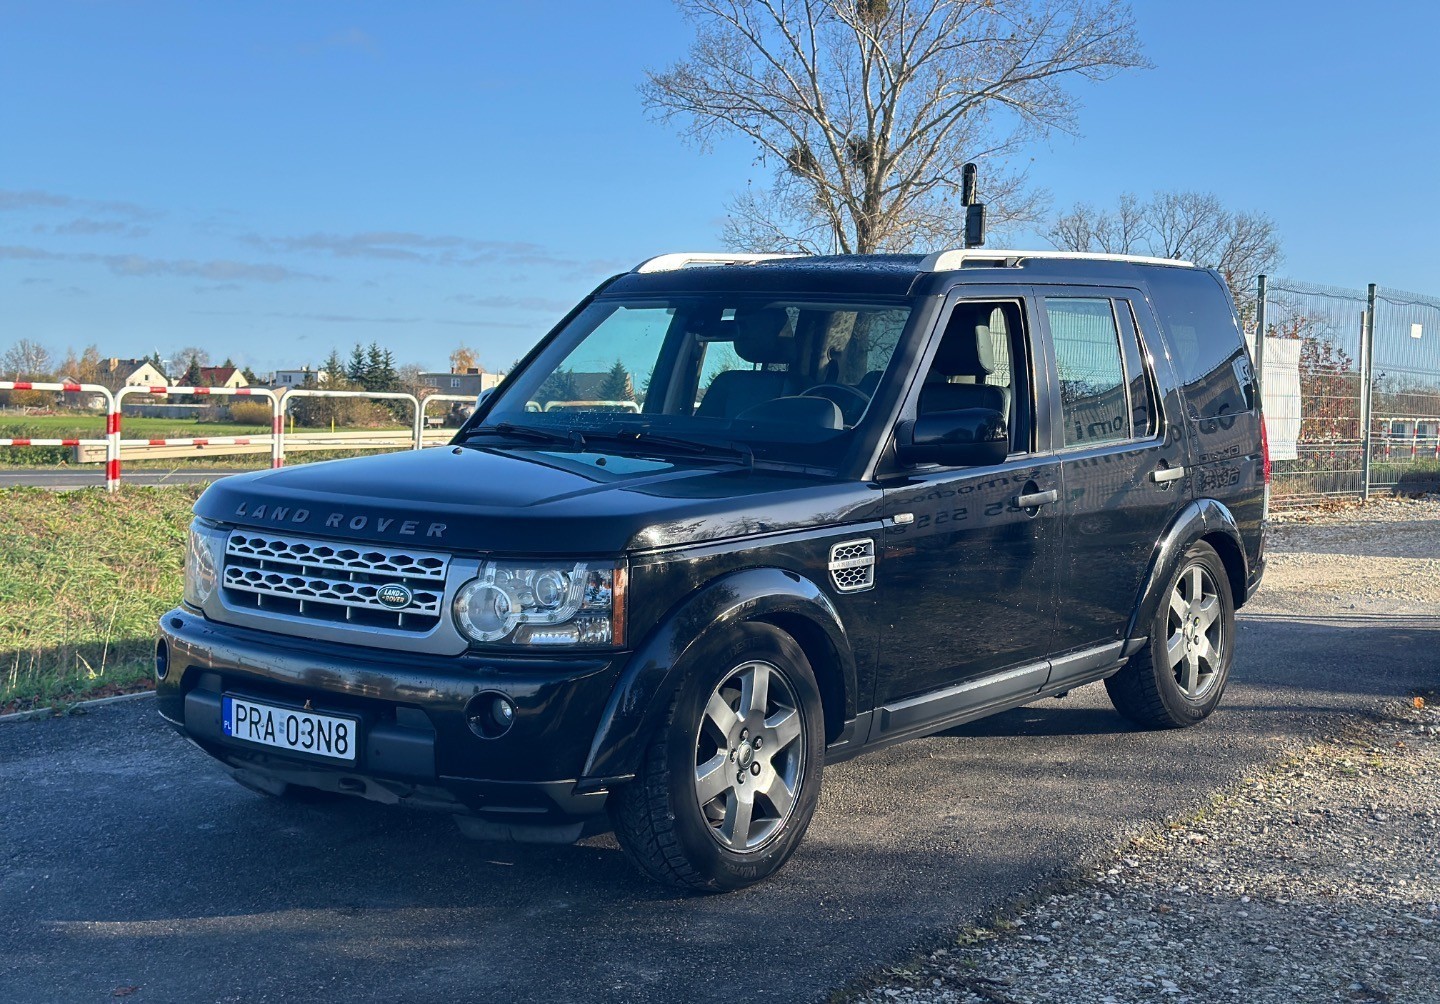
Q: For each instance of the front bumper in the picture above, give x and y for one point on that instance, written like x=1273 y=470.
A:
x=416 y=746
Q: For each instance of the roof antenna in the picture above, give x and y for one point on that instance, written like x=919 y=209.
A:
x=974 y=209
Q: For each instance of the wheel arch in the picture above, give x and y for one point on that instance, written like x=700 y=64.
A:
x=1202 y=519
x=836 y=698
x=783 y=599
x=1232 y=556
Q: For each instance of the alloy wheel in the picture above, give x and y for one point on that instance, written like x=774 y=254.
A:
x=749 y=760
x=1195 y=643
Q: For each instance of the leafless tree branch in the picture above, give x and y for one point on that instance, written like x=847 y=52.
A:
x=1193 y=226
x=864 y=110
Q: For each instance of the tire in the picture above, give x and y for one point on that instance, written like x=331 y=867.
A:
x=767 y=762
x=1178 y=678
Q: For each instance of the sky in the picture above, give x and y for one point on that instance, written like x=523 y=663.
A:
x=273 y=180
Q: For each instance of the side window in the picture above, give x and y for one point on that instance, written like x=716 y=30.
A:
x=1093 y=400
x=1144 y=400
x=1198 y=320
x=980 y=363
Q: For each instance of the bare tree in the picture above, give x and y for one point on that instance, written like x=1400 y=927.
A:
x=411 y=382
x=188 y=358
x=1084 y=228
x=1194 y=226
x=864 y=110
x=27 y=360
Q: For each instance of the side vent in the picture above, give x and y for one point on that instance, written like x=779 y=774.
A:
x=852 y=565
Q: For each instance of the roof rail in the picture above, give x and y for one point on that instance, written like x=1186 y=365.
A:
x=680 y=259
x=947 y=261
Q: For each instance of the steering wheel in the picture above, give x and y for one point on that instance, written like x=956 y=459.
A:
x=849 y=400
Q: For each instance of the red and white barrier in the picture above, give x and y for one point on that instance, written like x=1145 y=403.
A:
x=279 y=404
x=274 y=439
x=108 y=441
x=418 y=425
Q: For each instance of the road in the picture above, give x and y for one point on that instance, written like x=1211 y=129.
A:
x=128 y=859
x=62 y=478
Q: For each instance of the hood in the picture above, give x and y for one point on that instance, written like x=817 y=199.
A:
x=527 y=501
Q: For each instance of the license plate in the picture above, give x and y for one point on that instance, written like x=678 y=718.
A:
x=288 y=729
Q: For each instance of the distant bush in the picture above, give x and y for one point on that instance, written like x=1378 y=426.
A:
x=251 y=413
x=343 y=413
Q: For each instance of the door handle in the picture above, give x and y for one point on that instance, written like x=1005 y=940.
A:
x=1036 y=499
x=1163 y=474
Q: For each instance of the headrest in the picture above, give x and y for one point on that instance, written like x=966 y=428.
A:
x=760 y=336
x=966 y=349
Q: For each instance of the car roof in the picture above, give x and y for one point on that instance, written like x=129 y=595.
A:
x=879 y=274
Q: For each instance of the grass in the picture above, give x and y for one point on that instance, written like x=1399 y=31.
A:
x=83 y=579
x=93 y=426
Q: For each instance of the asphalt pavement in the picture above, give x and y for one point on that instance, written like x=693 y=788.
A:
x=128 y=859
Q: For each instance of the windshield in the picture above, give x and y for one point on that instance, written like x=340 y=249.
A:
x=777 y=377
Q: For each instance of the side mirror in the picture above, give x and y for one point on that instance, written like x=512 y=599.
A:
x=969 y=437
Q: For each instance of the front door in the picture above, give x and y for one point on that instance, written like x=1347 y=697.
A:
x=967 y=576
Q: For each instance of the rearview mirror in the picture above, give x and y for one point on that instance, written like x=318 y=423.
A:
x=969 y=437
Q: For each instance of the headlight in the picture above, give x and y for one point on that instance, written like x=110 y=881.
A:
x=202 y=564
x=575 y=604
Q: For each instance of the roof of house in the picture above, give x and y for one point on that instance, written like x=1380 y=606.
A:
x=216 y=376
x=127 y=365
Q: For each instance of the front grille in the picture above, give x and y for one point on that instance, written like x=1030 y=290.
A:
x=333 y=582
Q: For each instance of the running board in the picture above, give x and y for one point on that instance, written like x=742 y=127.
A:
x=943 y=709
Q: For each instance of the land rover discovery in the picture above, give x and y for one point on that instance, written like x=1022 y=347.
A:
x=734 y=519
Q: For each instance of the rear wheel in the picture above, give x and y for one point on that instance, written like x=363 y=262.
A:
x=730 y=783
x=1177 y=679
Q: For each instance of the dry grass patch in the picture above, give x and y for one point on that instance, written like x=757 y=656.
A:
x=84 y=576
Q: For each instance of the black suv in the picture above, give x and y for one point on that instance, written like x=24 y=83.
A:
x=737 y=517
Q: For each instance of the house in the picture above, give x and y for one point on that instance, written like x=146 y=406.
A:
x=78 y=399
x=222 y=376
x=472 y=383
x=303 y=377
x=117 y=373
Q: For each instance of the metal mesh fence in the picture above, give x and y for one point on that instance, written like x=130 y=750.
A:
x=1405 y=393
x=1313 y=358
x=1327 y=364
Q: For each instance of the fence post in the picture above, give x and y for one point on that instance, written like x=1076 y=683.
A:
x=1367 y=382
x=1261 y=292
x=277 y=431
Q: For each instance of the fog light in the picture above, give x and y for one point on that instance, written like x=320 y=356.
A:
x=162 y=659
x=490 y=714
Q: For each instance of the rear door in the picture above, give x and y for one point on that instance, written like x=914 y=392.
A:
x=1122 y=454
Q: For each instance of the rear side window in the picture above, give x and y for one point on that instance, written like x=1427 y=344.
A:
x=1093 y=401
x=1210 y=358
x=1144 y=400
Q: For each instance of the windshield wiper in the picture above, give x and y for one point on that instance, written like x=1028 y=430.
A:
x=643 y=437
x=524 y=432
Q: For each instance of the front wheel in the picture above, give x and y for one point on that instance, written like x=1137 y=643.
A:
x=1178 y=677
x=730 y=783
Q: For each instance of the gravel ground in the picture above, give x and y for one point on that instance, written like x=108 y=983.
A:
x=1317 y=879
x=1382 y=557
